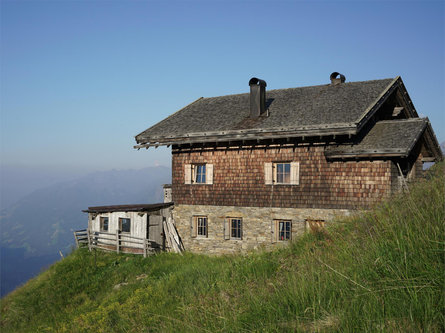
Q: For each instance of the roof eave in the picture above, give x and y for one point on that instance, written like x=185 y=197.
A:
x=228 y=136
x=367 y=154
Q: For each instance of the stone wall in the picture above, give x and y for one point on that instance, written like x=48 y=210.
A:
x=257 y=226
x=238 y=179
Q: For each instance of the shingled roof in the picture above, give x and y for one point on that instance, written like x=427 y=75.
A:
x=386 y=138
x=305 y=111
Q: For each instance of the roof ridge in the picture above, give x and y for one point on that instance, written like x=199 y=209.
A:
x=402 y=120
x=300 y=87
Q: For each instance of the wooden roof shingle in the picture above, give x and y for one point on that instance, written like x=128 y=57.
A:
x=336 y=109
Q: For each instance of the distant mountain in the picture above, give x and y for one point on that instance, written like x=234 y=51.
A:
x=42 y=223
x=442 y=146
x=18 y=181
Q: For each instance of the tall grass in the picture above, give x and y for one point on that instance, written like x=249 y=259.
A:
x=382 y=271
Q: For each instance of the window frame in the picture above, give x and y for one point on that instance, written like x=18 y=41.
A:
x=275 y=167
x=196 y=228
x=121 y=224
x=102 y=223
x=196 y=172
x=277 y=230
x=228 y=234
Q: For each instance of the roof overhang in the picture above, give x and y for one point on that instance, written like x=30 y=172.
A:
x=246 y=135
x=423 y=132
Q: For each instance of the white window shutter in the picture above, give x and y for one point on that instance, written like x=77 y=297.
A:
x=295 y=173
x=268 y=180
x=188 y=173
x=209 y=174
x=273 y=227
x=226 y=228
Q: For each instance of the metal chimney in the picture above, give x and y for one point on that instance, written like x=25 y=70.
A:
x=257 y=97
x=337 y=78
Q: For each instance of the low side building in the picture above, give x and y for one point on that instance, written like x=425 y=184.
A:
x=135 y=224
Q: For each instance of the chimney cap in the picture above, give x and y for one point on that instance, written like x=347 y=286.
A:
x=337 y=78
x=255 y=81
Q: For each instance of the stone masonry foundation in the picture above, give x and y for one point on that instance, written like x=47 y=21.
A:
x=257 y=226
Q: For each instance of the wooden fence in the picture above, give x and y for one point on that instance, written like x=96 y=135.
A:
x=116 y=242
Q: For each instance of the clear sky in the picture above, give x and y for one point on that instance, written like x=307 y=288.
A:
x=79 y=79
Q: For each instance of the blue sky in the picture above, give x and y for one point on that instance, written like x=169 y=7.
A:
x=79 y=79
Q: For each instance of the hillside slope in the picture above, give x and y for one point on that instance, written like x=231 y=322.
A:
x=382 y=271
x=35 y=228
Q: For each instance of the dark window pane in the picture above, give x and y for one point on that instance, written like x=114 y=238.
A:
x=202 y=226
x=104 y=223
x=200 y=173
x=283 y=173
x=236 y=228
x=125 y=225
x=284 y=230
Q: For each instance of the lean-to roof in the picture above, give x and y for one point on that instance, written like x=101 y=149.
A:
x=128 y=208
x=386 y=138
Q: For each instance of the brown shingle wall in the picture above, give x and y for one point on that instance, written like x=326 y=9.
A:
x=238 y=180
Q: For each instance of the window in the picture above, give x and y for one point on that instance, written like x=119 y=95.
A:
x=282 y=173
x=199 y=227
x=198 y=173
x=104 y=223
x=233 y=228
x=281 y=230
x=124 y=224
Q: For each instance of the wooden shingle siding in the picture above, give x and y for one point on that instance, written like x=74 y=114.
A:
x=239 y=179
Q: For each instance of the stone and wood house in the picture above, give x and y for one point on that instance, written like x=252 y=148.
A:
x=256 y=169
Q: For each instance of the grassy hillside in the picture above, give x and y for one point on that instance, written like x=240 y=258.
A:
x=383 y=271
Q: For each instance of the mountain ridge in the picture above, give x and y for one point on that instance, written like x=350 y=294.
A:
x=42 y=223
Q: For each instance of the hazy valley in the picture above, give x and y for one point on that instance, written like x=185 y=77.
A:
x=40 y=224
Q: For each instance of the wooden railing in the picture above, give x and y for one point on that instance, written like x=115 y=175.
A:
x=116 y=242
x=81 y=237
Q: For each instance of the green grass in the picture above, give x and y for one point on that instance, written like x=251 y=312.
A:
x=380 y=272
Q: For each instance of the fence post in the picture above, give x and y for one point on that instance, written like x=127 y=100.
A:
x=145 y=247
x=89 y=239
x=117 y=242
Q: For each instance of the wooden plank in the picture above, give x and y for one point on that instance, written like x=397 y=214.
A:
x=77 y=241
x=132 y=237
x=117 y=241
